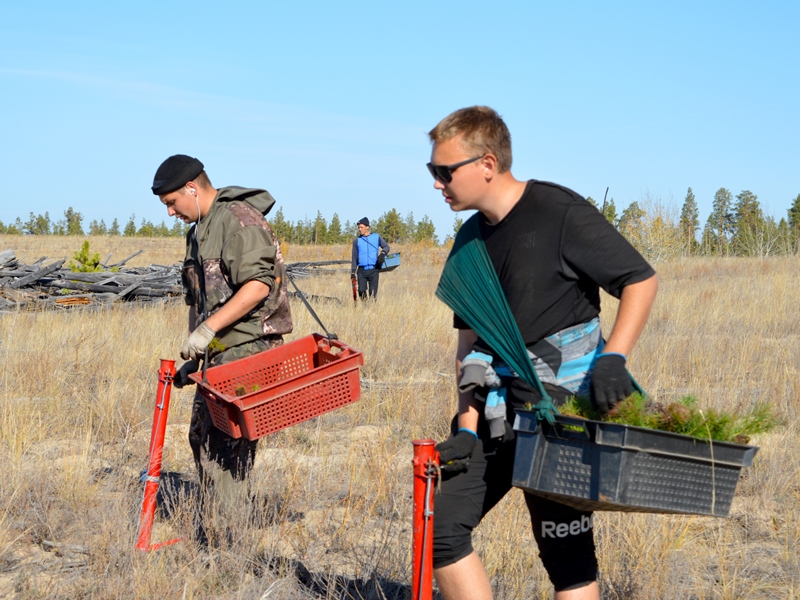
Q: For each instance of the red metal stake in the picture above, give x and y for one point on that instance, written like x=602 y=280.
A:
x=165 y=376
x=426 y=461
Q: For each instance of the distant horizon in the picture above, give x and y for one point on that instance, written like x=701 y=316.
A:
x=169 y=222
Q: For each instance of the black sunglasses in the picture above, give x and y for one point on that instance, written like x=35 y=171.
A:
x=444 y=173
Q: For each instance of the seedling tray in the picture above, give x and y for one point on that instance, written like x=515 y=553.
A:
x=592 y=465
x=260 y=394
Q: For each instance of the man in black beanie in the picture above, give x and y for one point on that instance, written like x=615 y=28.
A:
x=235 y=286
x=369 y=252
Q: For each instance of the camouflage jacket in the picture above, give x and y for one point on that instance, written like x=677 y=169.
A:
x=231 y=245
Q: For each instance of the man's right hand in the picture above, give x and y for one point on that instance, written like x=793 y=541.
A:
x=182 y=376
x=195 y=345
x=611 y=382
x=455 y=452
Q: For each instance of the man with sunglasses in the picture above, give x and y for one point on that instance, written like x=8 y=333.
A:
x=235 y=286
x=552 y=252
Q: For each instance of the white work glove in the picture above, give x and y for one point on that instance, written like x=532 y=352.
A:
x=195 y=345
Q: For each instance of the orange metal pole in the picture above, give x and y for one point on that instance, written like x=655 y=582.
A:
x=426 y=461
x=165 y=376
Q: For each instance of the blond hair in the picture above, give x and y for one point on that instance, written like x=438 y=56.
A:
x=482 y=131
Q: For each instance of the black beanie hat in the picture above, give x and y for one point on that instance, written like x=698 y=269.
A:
x=364 y=221
x=174 y=172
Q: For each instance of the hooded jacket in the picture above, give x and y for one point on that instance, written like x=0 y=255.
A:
x=231 y=245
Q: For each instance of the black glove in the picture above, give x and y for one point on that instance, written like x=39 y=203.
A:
x=454 y=452
x=182 y=376
x=611 y=382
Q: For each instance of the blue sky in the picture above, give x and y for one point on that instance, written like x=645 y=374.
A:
x=327 y=105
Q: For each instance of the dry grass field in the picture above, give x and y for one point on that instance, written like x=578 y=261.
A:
x=333 y=510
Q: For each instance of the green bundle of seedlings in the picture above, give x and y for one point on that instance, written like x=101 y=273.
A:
x=682 y=417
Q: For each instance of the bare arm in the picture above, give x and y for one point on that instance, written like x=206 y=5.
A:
x=634 y=309
x=241 y=303
x=468 y=410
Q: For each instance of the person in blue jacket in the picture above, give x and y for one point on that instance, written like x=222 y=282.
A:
x=369 y=252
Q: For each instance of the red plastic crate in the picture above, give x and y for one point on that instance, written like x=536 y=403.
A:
x=283 y=386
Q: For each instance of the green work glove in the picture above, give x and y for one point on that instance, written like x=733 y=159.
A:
x=455 y=452
x=195 y=345
x=182 y=376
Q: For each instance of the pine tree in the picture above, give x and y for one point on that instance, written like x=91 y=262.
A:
x=794 y=221
x=74 y=220
x=130 y=228
x=409 y=228
x=178 y=228
x=161 y=230
x=146 y=230
x=610 y=212
x=690 y=221
x=282 y=228
x=425 y=232
x=721 y=220
x=749 y=225
x=390 y=226
x=97 y=228
x=708 y=241
x=38 y=224
x=319 y=234
x=303 y=231
x=787 y=237
x=115 y=227
x=335 y=231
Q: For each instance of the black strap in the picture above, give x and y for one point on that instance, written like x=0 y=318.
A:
x=331 y=336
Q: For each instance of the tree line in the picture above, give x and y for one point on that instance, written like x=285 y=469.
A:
x=736 y=226
x=391 y=225
x=72 y=224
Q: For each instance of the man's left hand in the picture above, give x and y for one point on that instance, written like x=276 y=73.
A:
x=195 y=345
x=182 y=376
x=455 y=452
x=611 y=382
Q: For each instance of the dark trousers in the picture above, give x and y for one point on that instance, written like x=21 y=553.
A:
x=209 y=444
x=223 y=463
x=367 y=278
x=565 y=536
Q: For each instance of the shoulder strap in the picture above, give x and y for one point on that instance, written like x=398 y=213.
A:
x=331 y=336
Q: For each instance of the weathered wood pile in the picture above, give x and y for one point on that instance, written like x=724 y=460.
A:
x=300 y=270
x=42 y=286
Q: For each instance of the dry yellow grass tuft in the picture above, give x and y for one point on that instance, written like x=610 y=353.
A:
x=333 y=494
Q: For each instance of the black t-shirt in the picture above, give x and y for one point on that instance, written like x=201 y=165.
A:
x=552 y=253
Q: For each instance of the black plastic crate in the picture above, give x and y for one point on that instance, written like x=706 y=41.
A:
x=592 y=465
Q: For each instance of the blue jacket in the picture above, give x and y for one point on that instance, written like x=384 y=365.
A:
x=365 y=251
